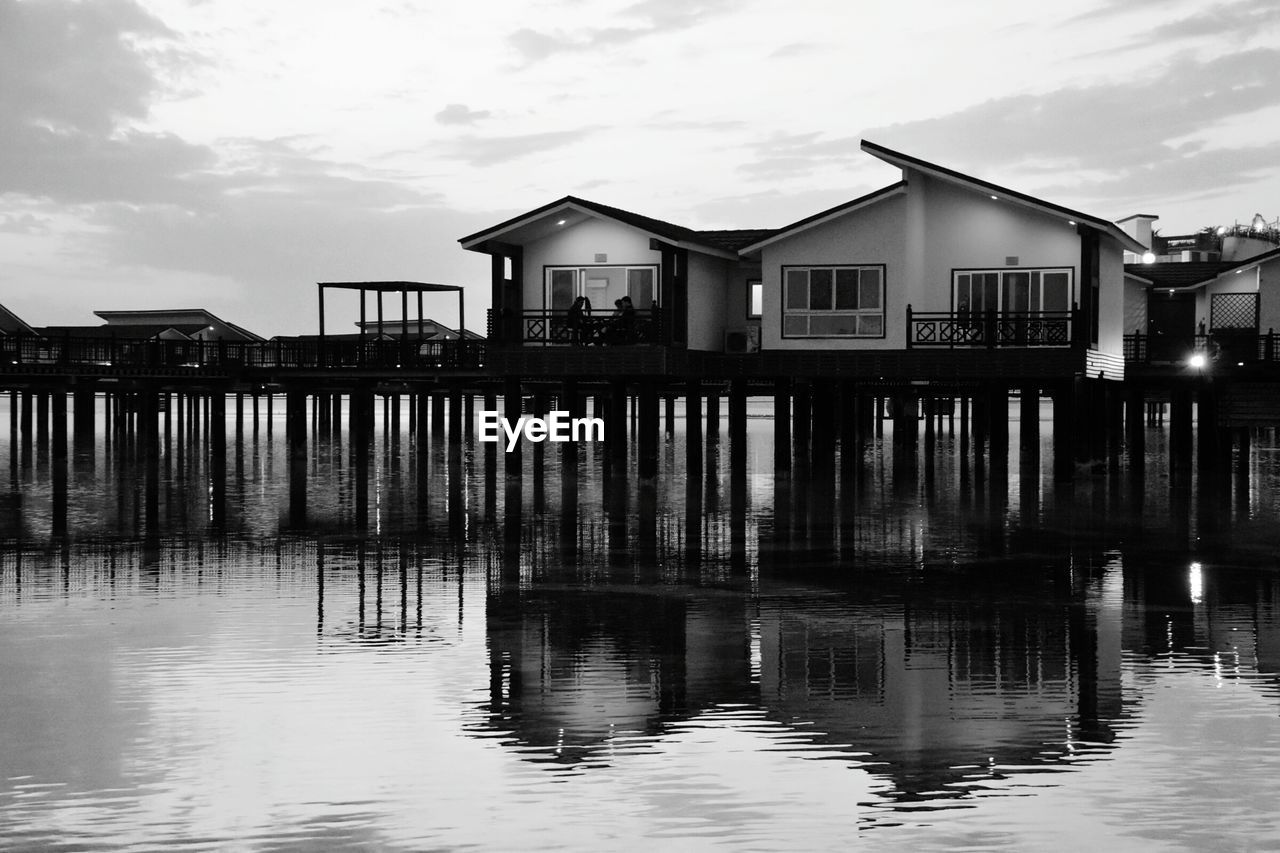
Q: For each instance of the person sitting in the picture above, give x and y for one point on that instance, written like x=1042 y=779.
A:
x=627 y=321
x=577 y=320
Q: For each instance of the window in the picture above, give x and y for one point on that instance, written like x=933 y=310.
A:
x=755 y=300
x=833 y=302
x=602 y=285
x=1013 y=291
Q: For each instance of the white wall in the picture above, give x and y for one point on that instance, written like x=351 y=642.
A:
x=1111 y=317
x=709 y=309
x=577 y=245
x=872 y=235
x=966 y=229
x=1135 y=307
x=1269 y=287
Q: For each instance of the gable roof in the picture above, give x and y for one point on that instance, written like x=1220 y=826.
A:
x=1176 y=273
x=536 y=219
x=12 y=324
x=824 y=216
x=733 y=240
x=906 y=161
x=177 y=318
x=1189 y=275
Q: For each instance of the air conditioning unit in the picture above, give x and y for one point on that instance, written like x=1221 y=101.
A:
x=742 y=340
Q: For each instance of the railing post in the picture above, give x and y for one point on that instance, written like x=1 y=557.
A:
x=989 y=328
x=910 y=328
x=1271 y=345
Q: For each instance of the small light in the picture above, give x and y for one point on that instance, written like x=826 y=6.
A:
x=561 y=222
x=1239 y=271
x=1239 y=364
x=1171 y=291
x=1148 y=257
x=1071 y=222
x=1197 y=361
x=1222 y=229
x=993 y=198
x=1195 y=580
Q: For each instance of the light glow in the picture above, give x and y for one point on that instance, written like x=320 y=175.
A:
x=1198 y=361
x=1148 y=257
x=1195 y=579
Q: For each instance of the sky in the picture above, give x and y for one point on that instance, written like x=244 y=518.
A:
x=228 y=154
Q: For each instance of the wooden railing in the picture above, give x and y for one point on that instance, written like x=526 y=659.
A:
x=598 y=329
x=991 y=328
x=281 y=352
x=1234 y=346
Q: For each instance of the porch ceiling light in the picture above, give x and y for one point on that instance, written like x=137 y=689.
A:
x=1071 y=222
x=1197 y=361
x=1148 y=257
x=993 y=198
x=561 y=222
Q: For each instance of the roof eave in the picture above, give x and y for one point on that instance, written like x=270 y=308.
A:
x=906 y=161
x=860 y=203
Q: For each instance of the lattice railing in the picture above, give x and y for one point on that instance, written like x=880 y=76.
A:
x=990 y=329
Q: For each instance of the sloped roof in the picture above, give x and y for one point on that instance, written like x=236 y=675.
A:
x=734 y=239
x=901 y=160
x=123 y=332
x=822 y=216
x=1178 y=274
x=11 y=323
x=1187 y=274
x=709 y=241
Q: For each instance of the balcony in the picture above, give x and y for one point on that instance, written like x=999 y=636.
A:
x=1227 y=346
x=990 y=329
x=551 y=328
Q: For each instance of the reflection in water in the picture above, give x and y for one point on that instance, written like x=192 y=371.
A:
x=390 y=643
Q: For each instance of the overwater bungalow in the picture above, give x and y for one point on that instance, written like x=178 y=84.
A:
x=939 y=275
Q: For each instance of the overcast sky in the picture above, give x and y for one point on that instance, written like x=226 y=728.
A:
x=228 y=154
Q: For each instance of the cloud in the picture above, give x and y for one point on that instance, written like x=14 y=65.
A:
x=1114 y=136
x=800 y=48
x=461 y=114
x=789 y=155
x=653 y=17
x=23 y=223
x=491 y=150
x=76 y=66
x=1244 y=18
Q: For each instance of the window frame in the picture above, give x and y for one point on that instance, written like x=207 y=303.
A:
x=583 y=275
x=1001 y=297
x=755 y=285
x=881 y=312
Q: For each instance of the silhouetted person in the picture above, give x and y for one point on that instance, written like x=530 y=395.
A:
x=577 y=319
x=627 y=321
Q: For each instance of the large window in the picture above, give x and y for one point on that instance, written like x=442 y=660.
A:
x=1013 y=291
x=833 y=302
x=602 y=285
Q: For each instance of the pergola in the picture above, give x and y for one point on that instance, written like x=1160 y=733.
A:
x=404 y=288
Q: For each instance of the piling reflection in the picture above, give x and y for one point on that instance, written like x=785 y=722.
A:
x=938 y=620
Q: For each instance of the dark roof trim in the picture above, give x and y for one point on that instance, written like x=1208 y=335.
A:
x=899 y=159
x=392 y=286
x=1137 y=216
x=825 y=216
x=678 y=234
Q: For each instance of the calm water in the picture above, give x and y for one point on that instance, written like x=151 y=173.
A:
x=875 y=654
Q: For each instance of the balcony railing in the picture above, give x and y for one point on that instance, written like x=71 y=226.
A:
x=1231 y=346
x=548 y=328
x=281 y=352
x=966 y=329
